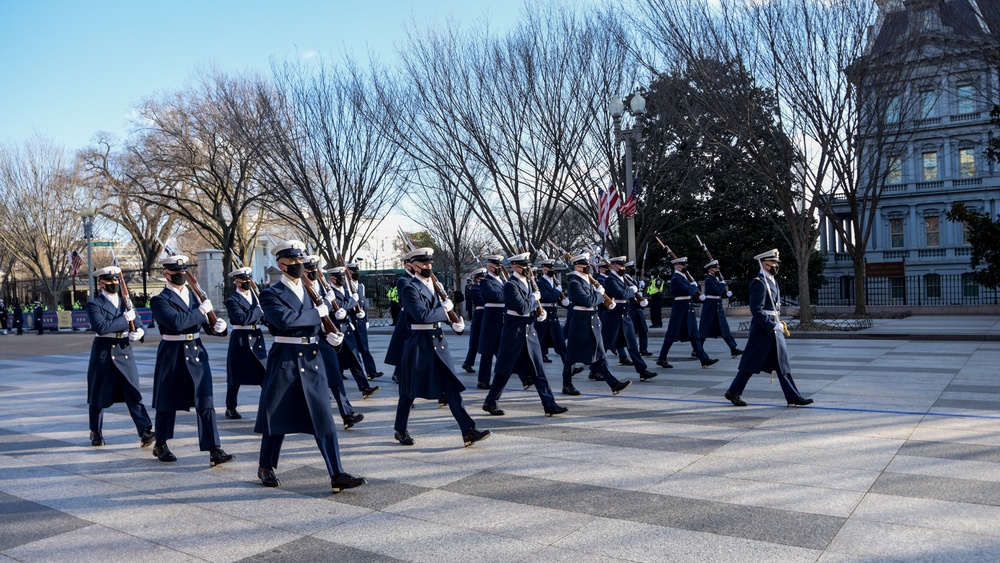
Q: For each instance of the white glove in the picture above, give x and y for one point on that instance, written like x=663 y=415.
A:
x=334 y=339
x=137 y=335
x=611 y=305
x=643 y=303
x=600 y=289
x=130 y=315
x=356 y=297
x=544 y=315
x=559 y=288
x=459 y=326
x=729 y=294
x=634 y=289
x=537 y=295
x=206 y=306
x=340 y=315
x=331 y=295
x=322 y=309
x=564 y=302
x=701 y=297
x=219 y=326
x=360 y=315
x=448 y=305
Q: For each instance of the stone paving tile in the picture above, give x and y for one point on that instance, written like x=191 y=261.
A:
x=23 y=521
x=877 y=541
x=315 y=549
x=966 y=404
x=784 y=472
x=616 y=438
x=950 y=450
x=931 y=513
x=938 y=488
x=944 y=467
x=315 y=482
x=97 y=543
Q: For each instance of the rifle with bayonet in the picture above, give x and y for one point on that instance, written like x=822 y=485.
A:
x=608 y=301
x=328 y=325
x=125 y=294
x=686 y=273
x=453 y=317
x=709 y=254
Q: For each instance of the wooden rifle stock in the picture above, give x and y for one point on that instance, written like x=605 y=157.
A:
x=452 y=315
x=674 y=256
x=709 y=254
x=539 y=311
x=328 y=324
x=127 y=298
x=348 y=285
x=593 y=282
x=193 y=282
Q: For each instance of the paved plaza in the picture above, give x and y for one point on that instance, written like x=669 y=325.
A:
x=898 y=460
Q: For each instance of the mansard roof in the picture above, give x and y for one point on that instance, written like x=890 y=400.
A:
x=959 y=18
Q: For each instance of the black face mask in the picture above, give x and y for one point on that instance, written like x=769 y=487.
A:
x=176 y=279
x=772 y=269
x=294 y=271
x=586 y=270
x=425 y=272
x=111 y=288
x=311 y=275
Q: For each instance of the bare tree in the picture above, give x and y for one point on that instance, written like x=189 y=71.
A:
x=39 y=202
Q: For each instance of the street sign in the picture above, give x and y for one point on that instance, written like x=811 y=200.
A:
x=103 y=243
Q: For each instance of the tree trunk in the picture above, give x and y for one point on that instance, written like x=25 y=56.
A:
x=805 y=303
x=860 y=298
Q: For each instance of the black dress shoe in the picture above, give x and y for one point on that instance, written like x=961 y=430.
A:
x=570 y=391
x=267 y=477
x=147 y=437
x=594 y=376
x=231 y=413
x=577 y=369
x=620 y=386
x=625 y=363
x=493 y=410
x=736 y=352
x=343 y=377
x=474 y=436
x=549 y=411
x=442 y=402
x=404 y=438
x=352 y=419
x=218 y=456
x=663 y=364
x=96 y=439
x=708 y=362
x=800 y=402
x=646 y=375
x=394 y=379
x=343 y=481
x=482 y=385
x=468 y=368
x=375 y=374
x=735 y=399
x=546 y=360
x=694 y=355
x=162 y=453
x=527 y=385
x=369 y=391
x=645 y=353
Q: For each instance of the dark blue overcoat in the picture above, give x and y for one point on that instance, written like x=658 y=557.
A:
x=584 y=342
x=713 y=312
x=519 y=350
x=491 y=289
x=765 y=350
x=394 y=352
x=550 y=333
x=473 y=300
x=349 y=350
x=246 y=356
x=618 y=321
x=426 y=361
x=182 y=377
x=112 y=361
x=683 y=324
x=295 y=397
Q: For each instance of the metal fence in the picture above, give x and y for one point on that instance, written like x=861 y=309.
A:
x=929 y=289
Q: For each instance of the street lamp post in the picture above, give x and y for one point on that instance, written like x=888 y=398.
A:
x=631 y=136
x=88 y=232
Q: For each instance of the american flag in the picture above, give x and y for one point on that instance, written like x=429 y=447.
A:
x=628 y=208
x=607 y=204
x=75 y=262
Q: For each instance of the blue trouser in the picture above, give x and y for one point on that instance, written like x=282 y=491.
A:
x=208 y=433
x=454 y=400
x=785 y=379
x=270 y=450
x=541 y=385
x=135 y=408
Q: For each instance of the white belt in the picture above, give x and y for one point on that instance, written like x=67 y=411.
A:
x=295 y=339
x=181 y=337
x=712 y=297
x=516 y=314
x=775 y=313
x=495 y=305
x=547 y=304
x=579 y=308
x=621 y=300
x=243 y=327
x=682 y=298
x=428 y=326
x=478 y=307
x=113 y=335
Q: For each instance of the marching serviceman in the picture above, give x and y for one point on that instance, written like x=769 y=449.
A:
x=112 y=376
x=636 y=306
x=713 y=312
x=182 y=377
x=345 y=317
x=550 y=331
x=491 y=290
x=426 y=370
x=294 y=398
x=766 y=350
x=361 y=325
x=246 y=356
x=683 y=323
x=519 y=350
x=312 y=268
x=474 y=301
x=617 y=328
x=584 y=341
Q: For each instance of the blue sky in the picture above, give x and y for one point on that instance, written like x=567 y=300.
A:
x=71 y=68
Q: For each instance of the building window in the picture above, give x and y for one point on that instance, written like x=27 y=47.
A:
x=965 y=233
x=893 y=110
x=966 y=163
x=933 y=284
x=896 y=238
x=965 y=94
x=930 y=167
x=970 y=287
x=898 y=287
x=931 y=230
x=895 y=170
x=927 y=103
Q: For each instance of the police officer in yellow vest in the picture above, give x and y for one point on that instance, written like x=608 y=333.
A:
x=655 y=293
